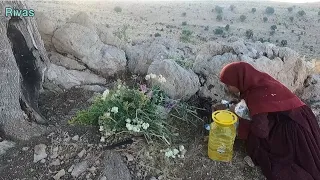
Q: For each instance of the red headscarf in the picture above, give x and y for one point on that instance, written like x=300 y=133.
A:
x=261 y=92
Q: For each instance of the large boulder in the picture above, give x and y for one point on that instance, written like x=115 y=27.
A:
x=142 y=54
x=83 y=19
x=67 y=79
x=180 y=83
x=64 y=61
x=282 y=63
x=46 y=28
x=86 y=45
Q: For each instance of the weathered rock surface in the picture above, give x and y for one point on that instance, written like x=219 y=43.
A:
x=114 y=167
x=180 y=83
x=39 y=152
x=64 y=61
x=46 y=28
x=82 y=19
x=5 y=146
x=69 y=78
x=79 y=168
x=141 y=55
x=282 y=63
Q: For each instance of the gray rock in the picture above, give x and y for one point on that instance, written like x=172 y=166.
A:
x=64 y=61
x=39 y=152
x=75 y=39
x=5 y=146
x=82 y=19
x=107 y=37
x=114 y=167
x=75 y=138
x=55 y=162
x=81 y=153
x=79 y=168
x=61 y=173
x=46 y=27
x=70 y=78
x=180 y=83
x=94 y=88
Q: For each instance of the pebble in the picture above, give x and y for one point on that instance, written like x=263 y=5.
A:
x=103 y=178
x=249 y=161
x=55 y=152
x=61 y=173
x=75 y=138
x=82 y=153
x=43 y=161
x=79 y=168
x=55 y=162
x=92 y=169
x=39 y=152
x=70 y=168
x=25 y=148
x=129 y=157
x=153 y=178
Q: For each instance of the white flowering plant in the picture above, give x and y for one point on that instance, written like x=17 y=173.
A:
x=132 y=110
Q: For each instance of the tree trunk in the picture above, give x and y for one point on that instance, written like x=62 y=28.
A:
x=22 y=62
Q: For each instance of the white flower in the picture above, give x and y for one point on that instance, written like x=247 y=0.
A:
x=181 y=148
x=103 y=139
x=105 y=94
x=129 y=127
x=175 y=151
x=140 y=122
x=147 y=77
x=168 y=153
x=153 y=76
x=128 y=120
x=135 y=120
x=114 y=109
x=101 y=128
x=145 y=126
x=119 y=86
x=136 y=129
x=161 y=79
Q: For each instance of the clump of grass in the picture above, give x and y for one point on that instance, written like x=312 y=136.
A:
x=265 y=19
x=218 y=9
x=219 y=17
x=227 y=27
x=184 y=23
x=184 y=14
x=186 y=35
x=157 y=35
x=301 y=13
x=269 y=10
x=118 y=9
x=206 y=28
x=291 y=18
x=249 y=33
x=253 y=10
x=284 y=43
x=273 y=27
x=243 y=18
x=290 y=9
x=218 y=31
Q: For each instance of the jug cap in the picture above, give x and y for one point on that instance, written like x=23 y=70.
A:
x=224 y=117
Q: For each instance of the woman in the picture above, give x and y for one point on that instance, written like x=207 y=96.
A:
x=283 y=134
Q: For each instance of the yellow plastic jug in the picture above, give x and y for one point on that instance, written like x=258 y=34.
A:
x=222 y=135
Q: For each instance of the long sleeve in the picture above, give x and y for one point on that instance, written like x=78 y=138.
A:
x=260 y=125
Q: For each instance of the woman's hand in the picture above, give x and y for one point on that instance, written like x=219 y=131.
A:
x=219 y=106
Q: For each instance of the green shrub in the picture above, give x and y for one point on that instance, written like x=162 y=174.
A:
x=301 y=13
x=144 y=111
x=157 y=35
x=218 y=9
x=249 y=33
x=227 y=27
x=273 y=27
x=219 y=17
x=186 y=35
x=284 y=43
x=269 y=10
x=218 y=31
x=253 y=10
x=118 y=9
x=184 y=14
x=291 y=19
x=206 y=28
x=243 y=18
x=184 y=23
x=290 y=9
x=265 y=19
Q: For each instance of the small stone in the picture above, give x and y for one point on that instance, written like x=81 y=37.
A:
x=97 y=162
x=25 y=148
x=59 y=174
x=43 y=161
x=82 y=153
x=79 y=168
x=39 y=152
x=75 y=138
x=55 y=152
x=160 y=177
x=103 y=178
x=70 y=168
x=153 y=178
x=61 y=157
x=88 y=176
x=92 y=169
x=55 y=162
x=129 y=157
x=249 y=161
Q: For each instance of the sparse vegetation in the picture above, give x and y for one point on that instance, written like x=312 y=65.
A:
x=273 y=27
x=270 y=10
x=218 y=9
x=291 y=19
x=157 y=35
x=319 y=13
x=232 y=7
x=301 y=13
x=265 y=19
x=227 y=27
x=284 y=43
x=219 y=17
x=249 y=33
x=186 y=35
x=184 y=23
x=218 y=31
x=253 y=10
x=272 y=33
x=184 y=14
x=206 y=28
x=243 y=18
x=118 y=9
x=290 y=9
